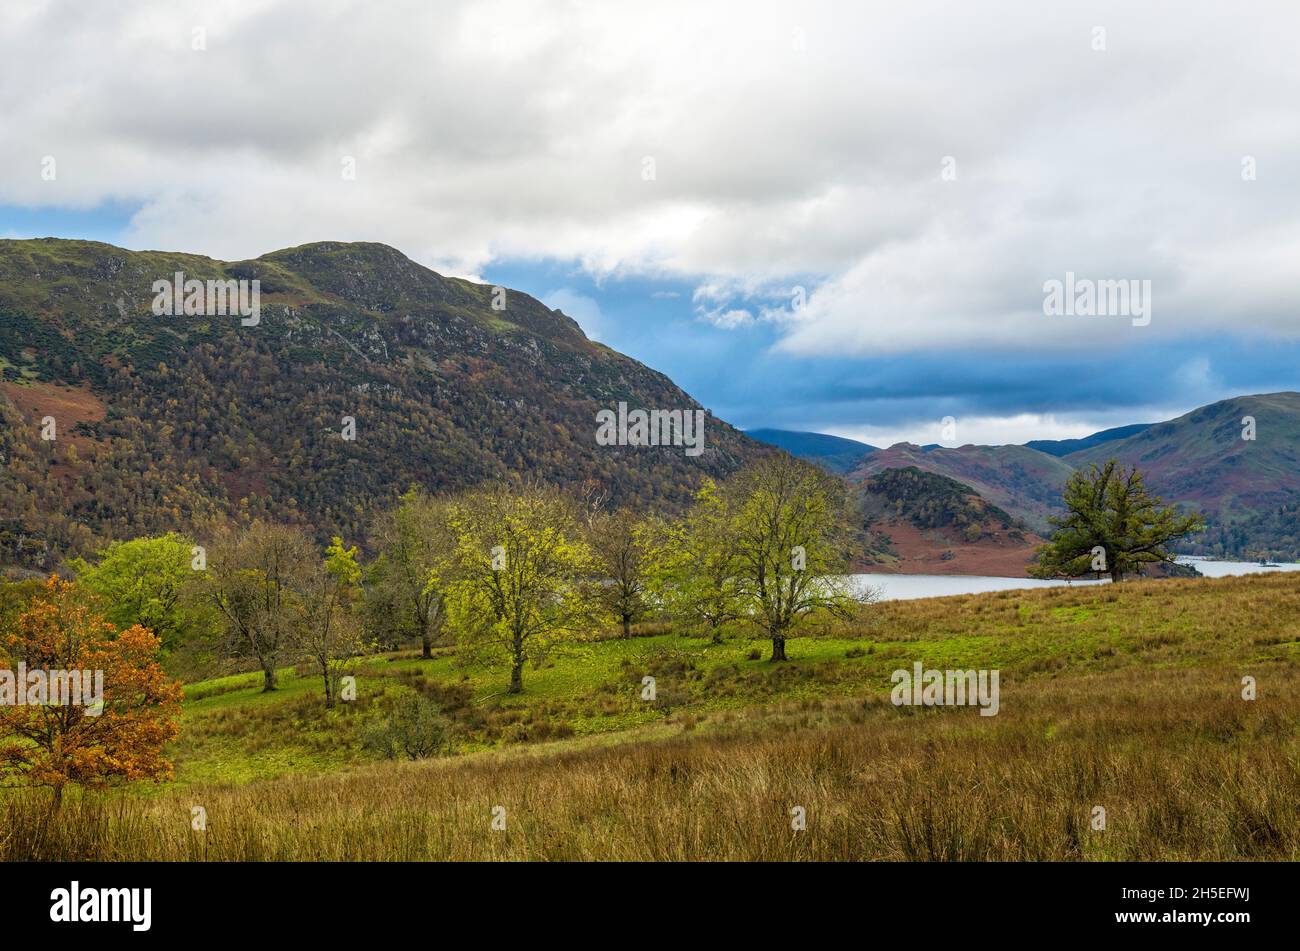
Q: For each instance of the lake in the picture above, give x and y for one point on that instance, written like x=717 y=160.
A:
x=907 y=587
x=1222 y=569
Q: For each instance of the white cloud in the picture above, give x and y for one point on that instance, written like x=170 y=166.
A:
x=789 y=140
x=979 y=430
x=727 y=319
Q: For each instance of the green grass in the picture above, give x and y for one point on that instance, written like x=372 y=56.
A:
x=233 y=732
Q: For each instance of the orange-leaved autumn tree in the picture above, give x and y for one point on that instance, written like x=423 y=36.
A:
x=88 y=744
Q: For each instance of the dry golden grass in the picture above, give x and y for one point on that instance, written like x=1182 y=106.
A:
x=1184 y=767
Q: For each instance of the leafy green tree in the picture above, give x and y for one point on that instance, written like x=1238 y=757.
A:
x=15 y=596
x=522 y=579
x=416 y=550
x=619 y=541
x=695 y=565
x=792 y=528
x=143 y=581
x=326 y=627
x=1112 y=525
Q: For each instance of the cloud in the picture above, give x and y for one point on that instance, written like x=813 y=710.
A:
x=726 y=318
x=977 y=430
x=792 y=143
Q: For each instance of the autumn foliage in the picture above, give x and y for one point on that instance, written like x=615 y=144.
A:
x=53 y=746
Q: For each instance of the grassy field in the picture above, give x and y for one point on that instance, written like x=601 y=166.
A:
x=1126 y=697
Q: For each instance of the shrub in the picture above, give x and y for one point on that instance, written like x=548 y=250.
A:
x=414 y=728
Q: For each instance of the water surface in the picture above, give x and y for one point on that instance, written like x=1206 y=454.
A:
x=908 y=587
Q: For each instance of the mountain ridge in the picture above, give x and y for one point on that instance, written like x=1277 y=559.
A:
x=835 y=453
x=1063 y=447
x=1248 y=489
x=168 y=420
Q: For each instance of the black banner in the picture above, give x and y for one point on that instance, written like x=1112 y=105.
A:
x=1217 y=901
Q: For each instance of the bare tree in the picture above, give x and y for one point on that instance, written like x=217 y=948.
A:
x=251 y=579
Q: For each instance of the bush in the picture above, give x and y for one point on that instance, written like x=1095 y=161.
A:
x=414 y=728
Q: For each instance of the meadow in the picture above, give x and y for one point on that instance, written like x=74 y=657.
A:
x=1126 y=697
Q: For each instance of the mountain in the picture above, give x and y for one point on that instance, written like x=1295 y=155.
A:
x=160 y=421
x=921 y=522
x=1248 y=489
x=1022 y=481
x=1063 y=447
x=833 y=453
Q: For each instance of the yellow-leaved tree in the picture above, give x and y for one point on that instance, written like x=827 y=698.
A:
x=793 y=530
x=523 y=576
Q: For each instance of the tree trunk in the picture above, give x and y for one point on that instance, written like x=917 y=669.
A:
x=1116 y=575
x=57 y=802
x=778 y=648
x=517 y=668
x=268 y=677
x=627 y=625
x=426 y=645
x=329 y=691
x=717 y=633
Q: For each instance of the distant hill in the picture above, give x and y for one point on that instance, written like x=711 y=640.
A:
x=922 y=522
x=833 y=453
x=929 y=500
x=163 y=420
x=1024 y=482
x=1249 y=490
x=1063 y=447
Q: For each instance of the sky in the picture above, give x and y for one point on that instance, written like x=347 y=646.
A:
x=837 y=217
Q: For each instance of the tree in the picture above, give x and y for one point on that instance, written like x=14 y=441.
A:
x=416 y=549
x=521 y=575
x=251 y=579
x=16 y=597
x=694 y=565
x=325 y=627
x=619 y=543
x=142 y=582
x=792 y=530
x=1112 y=524
x=119 y=737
